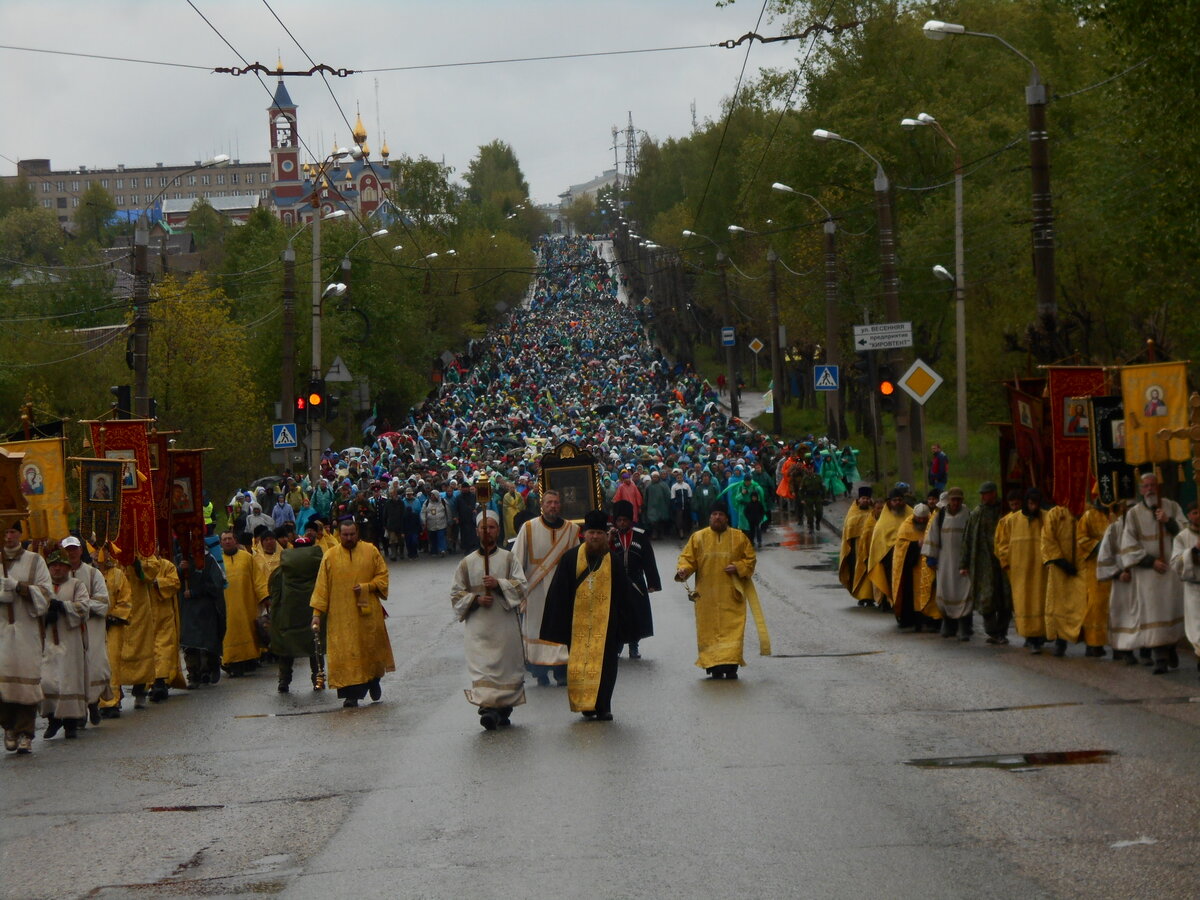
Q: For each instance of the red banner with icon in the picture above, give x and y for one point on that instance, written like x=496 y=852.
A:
x=1071 y=431
x=126 y=440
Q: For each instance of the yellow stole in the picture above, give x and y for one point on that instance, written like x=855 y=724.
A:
x=589 y=630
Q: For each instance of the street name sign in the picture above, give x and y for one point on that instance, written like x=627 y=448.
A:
x=920 y=381
x=283 y=437
x=825 y=378
x=883 y=336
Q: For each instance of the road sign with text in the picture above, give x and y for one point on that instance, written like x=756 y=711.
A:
x=883 y=336
x=727 y=337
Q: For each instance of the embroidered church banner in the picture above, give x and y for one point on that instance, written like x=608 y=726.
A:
x=1071 y=430
x=125 y=440
x=1155 y=398
x=43 y=482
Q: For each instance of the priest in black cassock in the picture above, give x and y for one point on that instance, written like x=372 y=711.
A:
x=593 y=609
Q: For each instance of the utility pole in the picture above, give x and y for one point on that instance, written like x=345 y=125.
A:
x=1043 y=208
x=833 y=328
x=314 y=422
x=141 y=320
x=287 y=365
x=891 y=300
x=730 y=374
x=776 y=363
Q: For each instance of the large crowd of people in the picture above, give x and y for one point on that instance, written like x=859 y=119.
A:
x=300 y=568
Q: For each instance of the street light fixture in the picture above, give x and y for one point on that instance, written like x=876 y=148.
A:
x=1039 y=169
x=833 y=326
x=891 y=290
x=960 y=287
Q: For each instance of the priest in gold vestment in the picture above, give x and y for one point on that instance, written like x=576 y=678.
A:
x=723 y=561
x=351 y=585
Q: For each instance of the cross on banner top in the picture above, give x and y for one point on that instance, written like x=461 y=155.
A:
x=1192 y=433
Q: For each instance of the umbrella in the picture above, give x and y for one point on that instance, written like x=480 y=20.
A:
x=606 y=410
x=268 y=481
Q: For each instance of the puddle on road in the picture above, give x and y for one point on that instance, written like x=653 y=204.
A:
x=1013 y=762
x=820 y=655
x=1104 y=701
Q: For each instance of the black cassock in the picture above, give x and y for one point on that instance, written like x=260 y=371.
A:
x=628 y=616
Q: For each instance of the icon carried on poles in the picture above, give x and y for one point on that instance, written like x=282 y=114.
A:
x=825 y=378
x=283 y=437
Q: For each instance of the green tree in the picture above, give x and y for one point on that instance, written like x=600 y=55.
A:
x=206 y=224
x=424 y=192
x=494 y=177
x=95 y=212
x=31 y=235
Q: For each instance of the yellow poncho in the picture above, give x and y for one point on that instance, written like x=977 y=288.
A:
x=852 y=527
x=357 y=646
x=924 y=578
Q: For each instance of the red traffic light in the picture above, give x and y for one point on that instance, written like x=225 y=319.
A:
x=301 y=403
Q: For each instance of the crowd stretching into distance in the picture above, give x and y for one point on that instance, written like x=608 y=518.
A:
x=301 y=570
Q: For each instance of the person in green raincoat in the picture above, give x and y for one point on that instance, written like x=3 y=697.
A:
x=831 y=473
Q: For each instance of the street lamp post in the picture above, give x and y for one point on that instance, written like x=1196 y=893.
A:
x=891 y=293
x=1039 y=168
x=773 y=337
x=959 y=278
x=141 y=296
x=731 y=373
x=833 y=324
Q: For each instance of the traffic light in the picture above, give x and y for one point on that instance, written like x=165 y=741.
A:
x=300 y=408
x=315 y=398
x=332 y=401
x=886 y=384
x=122 y=400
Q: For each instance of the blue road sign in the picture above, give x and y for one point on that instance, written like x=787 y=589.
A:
x=825 y=378
x=283 y=437
x=727 y=337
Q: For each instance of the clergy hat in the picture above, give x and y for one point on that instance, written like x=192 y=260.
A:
x=260 y=530
x=896 y=492
x=865 y=491
x=622 y=508
x=595 y=521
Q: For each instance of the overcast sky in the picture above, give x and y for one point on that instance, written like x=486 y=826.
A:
x=558 y=115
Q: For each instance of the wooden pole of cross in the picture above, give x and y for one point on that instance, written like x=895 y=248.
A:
x=1191 y=433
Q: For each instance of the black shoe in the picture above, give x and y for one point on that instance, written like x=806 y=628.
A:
x=52 y=729
x=589 y=714
x=284 y=687
x=70 y=730
x=349 y=703
x=110 y=712
x=1130 y=658
x=374 y=689
x=489 y=720
x=1173 y=658
x=1160 y=669
x=1060 y=647
x=159 y=690
x=94 y=713
x=603 y=717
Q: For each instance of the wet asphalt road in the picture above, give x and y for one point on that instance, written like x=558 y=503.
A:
x=791 y=782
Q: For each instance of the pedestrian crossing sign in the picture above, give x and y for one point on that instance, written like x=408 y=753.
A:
x=825 y=378
x=283 y=437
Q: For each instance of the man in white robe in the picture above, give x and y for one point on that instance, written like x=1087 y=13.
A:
x=488 y=597
x=943 y=551
x=25 y=592
x=541 y=543
x=1150 y=529
x=64 y=662
x=1123 y=612
x=99 y=672
x=1185 y=561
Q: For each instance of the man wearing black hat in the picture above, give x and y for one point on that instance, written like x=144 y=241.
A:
x=592 y=609
x=636 y=552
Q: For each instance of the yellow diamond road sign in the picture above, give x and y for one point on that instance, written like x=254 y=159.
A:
x=920 y=381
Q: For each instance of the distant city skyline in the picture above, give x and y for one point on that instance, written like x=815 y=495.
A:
x=557 y=114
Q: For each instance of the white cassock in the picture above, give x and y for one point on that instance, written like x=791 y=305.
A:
x=1185 y=560
x=538 y=550
x=943 y=542
x=493 y=639
x=64 y=663
x=1123 y=612
x=21 y=627
x=1158 y=595
x=99 y=671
